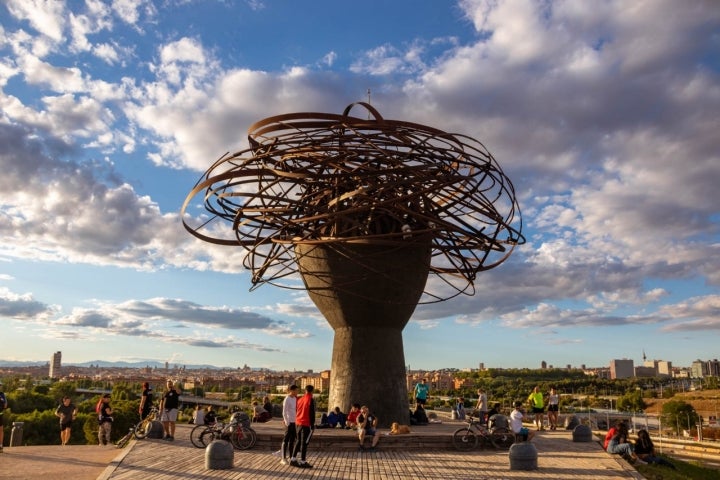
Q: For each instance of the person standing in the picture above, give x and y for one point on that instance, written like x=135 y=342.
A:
x=421 y=392
x=3 y=406
x=305 y=424
x=169 y=408
x=482 y=406
x=105 y=420
x=146 y=400
x=289 y=413
x=460 y=408
x=538 y=407
x=553 y=408
x=66 y=412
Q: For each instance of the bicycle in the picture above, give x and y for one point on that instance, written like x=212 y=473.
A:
x=465 y=439
x=238 y=432
x=126 y=439
x=143 y=427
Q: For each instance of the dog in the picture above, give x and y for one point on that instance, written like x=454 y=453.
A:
x=397 y=429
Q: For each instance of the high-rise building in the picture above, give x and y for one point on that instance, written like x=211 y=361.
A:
x=622 y=368
x=55 y=365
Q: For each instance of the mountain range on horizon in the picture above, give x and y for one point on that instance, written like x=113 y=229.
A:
x=107 y=364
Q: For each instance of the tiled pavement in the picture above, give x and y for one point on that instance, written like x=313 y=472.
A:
x=558 y=458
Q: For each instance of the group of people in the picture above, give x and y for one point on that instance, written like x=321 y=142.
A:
x=641 y=452
x=537 y=401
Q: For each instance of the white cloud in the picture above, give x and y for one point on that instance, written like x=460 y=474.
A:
x=45 y=16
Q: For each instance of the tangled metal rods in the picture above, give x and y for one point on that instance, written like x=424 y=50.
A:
x=317 y=178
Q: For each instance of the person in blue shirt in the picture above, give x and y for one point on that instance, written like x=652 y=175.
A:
x=421 y=392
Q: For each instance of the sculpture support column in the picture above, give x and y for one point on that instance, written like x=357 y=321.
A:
x=367 y=292
x=368 y=367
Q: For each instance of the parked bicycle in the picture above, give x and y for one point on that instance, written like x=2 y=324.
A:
x=143 y=427
x=467 y=438
x=238 y=432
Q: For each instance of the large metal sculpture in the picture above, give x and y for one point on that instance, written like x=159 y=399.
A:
x=375 y=216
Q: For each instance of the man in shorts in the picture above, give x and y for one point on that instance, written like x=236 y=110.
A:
x=537 y=403
x=169 y=410
x=67 y=412
x=367 y=426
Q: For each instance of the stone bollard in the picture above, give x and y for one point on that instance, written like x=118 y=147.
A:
x=582 y=433
x=156 y=430
x=16 y=434
x=219 y=455
x=523 y=456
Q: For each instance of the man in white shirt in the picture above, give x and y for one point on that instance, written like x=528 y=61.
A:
x=516 y=423
x=289 y=415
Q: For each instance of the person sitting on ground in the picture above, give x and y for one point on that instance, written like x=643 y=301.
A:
x=260 y=415
x=323 y=421
x=367 y=426
x=351 y=420
x=267 y=405
x=198 y=417
x=619 y=444
x=516 y=423
x=645 y=450
x=610 y=433
x=210 y=416
x=419 y=416
x=336 y=418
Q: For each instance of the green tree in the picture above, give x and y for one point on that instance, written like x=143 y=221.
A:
x=631 y=402
x=677 y=415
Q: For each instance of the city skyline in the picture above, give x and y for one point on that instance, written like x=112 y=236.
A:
x=605 y=123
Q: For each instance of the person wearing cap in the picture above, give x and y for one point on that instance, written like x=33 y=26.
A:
x=169 y=410
x=3 y=406
x=105 y=420
x=289 y=415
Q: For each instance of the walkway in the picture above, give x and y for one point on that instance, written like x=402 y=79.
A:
x=558 y=458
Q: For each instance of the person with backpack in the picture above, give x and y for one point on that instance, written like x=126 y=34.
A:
x=105 y=420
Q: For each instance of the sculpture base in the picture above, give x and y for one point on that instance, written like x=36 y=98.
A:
x=368 y=367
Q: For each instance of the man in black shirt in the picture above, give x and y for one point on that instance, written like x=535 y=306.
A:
x=169 y=410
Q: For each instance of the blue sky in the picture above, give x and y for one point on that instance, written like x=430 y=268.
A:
x=605 y=115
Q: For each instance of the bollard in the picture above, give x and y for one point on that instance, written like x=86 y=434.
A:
x=16 y=434
x=582 y=433
x=523 y=456
x=219 y=455
x=156 y=430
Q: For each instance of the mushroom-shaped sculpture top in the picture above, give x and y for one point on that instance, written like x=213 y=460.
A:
x=327 y=179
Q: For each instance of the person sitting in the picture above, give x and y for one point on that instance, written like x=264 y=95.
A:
x=619 y=444
x=516 y=423
x=367 y=426
x=419 y=417
x=210 y=416
x=351 y=420
x=336 y=418
x=267 y=405
x=645 y=450
x=260 y=415
x=610 y=433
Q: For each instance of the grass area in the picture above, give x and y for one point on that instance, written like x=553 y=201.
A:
x=685 y=471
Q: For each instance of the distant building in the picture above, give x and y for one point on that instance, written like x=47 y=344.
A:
x=622 y=368
x=645 y=371
x=664 y=368
x=543 y=364
x=55 y=365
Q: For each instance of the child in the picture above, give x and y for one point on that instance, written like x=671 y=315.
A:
x=516 y=423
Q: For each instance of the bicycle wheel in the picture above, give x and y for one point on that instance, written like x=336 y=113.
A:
x=464 y=439
x=243 y=438
x=142 y=429
x=502 y=438
x=196 y=436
